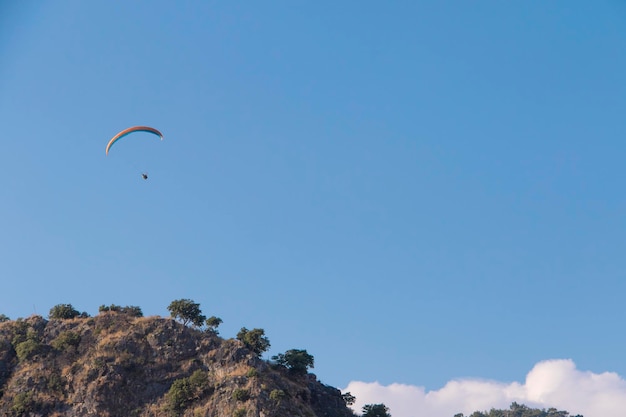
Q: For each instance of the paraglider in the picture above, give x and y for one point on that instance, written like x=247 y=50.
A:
x=130 y=130
x=127 y=132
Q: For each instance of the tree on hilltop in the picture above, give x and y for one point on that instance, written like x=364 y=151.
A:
x=63 y=312
x=376 y=410
x=133 y=311
x=212 y=323
x=254 y=340
x=348 y=398
x=297 y=361
x=187 y=312
x=520 y=410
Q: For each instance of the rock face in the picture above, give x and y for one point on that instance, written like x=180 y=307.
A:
x=116 y=365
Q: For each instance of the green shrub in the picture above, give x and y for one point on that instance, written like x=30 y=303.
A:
x=277 y=395
x=252 y=373
x=98 y=362
x=27 y=349
x=133 y=311
x=178 y=396
x=23 y=403
x=66 y=340
x=198 y=379
x=240 y=412
x=55 y=382
x=241 y=394
x=19 y=332
x=183 y=391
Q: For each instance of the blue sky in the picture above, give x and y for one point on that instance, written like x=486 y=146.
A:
x=413 y=192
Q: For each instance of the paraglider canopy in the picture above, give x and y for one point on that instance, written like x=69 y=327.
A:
x=130 y=130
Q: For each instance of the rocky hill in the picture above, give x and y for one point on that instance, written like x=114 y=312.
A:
x=119 y=365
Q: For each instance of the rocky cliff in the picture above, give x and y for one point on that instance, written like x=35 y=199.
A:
x=117 y=365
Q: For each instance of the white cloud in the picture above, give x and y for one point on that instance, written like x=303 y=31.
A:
x=551 y=383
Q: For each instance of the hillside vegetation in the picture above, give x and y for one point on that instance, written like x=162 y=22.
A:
x=120 y=364
x=520 y=410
